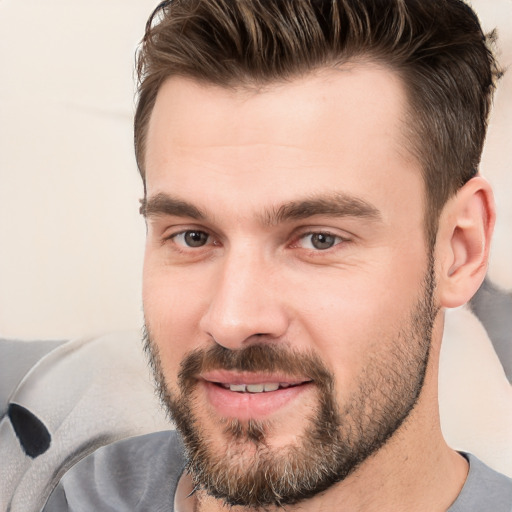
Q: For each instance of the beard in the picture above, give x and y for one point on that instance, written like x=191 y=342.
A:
x=339 y=434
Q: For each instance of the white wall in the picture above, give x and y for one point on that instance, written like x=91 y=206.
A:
x=71 y=239
x=497 y=157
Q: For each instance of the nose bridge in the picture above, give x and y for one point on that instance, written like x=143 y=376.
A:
x=243 y=303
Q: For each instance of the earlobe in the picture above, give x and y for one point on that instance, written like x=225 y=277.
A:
x=462 y=252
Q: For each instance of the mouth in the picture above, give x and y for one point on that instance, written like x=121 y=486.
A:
x=257 y=388
x=251 y=396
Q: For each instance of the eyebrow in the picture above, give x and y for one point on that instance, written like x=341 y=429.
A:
x=332 y=205
x=335 y=205
x=163 y=204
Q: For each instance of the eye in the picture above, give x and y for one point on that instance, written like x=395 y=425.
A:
x=319 y=241
x=191 y=238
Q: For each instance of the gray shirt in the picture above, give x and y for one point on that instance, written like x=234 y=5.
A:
x=142 y=473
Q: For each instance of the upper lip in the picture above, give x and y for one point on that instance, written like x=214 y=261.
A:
x=230 y=377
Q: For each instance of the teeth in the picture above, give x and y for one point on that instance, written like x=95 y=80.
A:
x=237 y=387
x=255 y=388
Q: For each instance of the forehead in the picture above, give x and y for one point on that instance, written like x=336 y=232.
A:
x=340 y=128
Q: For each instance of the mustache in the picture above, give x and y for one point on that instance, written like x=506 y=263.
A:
x=262 y=358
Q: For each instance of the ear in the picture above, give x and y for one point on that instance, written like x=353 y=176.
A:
x=462 y=249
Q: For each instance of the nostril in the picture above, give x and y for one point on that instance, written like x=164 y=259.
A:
x=30 y=430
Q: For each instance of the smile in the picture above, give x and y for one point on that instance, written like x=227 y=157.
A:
x=252 y=396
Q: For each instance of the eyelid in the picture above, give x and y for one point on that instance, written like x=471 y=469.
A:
x=303 y=232
x=169 y=230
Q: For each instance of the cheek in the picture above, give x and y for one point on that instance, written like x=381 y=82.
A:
x=172 y=311
x=345 y=333
x=353 y=317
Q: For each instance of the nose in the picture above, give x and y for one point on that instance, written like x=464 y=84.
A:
x=246 y=305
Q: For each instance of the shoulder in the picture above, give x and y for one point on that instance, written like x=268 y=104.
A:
x=139 y=473
x=485 y=489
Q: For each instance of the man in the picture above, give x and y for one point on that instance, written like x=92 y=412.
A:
x=313 y=205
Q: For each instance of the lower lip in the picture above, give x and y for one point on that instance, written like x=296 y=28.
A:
x=245 y=406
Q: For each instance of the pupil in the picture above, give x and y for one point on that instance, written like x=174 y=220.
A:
x=322 y=241
x=195 y=238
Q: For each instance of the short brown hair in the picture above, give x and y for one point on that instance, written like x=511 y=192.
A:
x=436 y=46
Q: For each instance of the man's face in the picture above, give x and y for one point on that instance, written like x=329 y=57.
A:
x=286 y=277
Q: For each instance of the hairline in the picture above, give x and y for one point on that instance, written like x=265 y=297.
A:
x=254 y=85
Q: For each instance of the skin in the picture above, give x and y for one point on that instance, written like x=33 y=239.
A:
x=237 y=156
